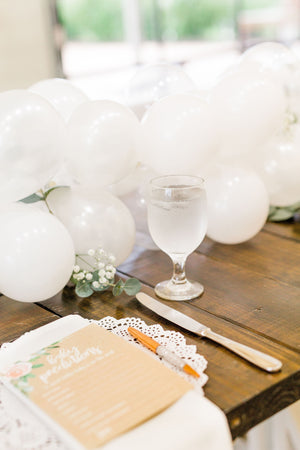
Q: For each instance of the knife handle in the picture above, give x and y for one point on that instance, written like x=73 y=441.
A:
x=256 y=357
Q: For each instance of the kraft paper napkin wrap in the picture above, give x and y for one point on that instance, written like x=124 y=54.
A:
x=192 y=422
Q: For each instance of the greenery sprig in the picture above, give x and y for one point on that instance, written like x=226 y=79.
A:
x=41 y=196
x=98 y=274
x=280 y=214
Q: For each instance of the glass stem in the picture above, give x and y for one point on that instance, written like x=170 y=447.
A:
x=179 y=270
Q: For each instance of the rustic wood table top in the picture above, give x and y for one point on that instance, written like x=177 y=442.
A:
x=252 y=294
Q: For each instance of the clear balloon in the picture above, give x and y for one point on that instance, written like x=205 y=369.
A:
x=154 y=82
x=95 y=219
x=278 y=164
x=62 y=94
x=36 y=254
x=249 y=107
x=178 y=135
x=238 y=204
x=32 y=142
x=102 y=143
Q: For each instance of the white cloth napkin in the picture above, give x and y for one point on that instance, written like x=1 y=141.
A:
x=192 y=423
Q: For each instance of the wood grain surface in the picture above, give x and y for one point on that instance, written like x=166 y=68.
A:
x=18 y=318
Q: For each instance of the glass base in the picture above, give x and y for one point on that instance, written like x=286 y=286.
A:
x=168 y=290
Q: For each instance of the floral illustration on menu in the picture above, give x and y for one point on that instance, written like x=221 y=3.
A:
x=21 y=372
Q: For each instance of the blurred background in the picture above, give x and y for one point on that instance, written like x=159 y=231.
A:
x=98 y=44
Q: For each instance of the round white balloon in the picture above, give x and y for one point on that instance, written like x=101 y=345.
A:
x=155 y=81
x=178 y=135
x=271 y=57
x=62 y=94
x=101 y=143
x=249 y=108
x=278 y=164
x=32 y=142
x=36 y=254
x=238 y=204
x=137 y=179
x=95 y=219
x=136 y=201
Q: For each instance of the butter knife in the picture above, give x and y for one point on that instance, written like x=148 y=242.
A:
x=262 y=360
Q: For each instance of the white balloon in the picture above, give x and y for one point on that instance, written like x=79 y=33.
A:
x=32 y=142
x=36 y=254
x=62 y=94
x=278 y=164
x=102 y=143
x=95 y=219
x=136 y=180
x=136 y=201
x=238 y=204
x=271 y=57
x=178 y=135
x=153 y=82
x=249 y=107
x=127 y=184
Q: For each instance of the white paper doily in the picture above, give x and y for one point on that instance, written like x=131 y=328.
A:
x=20 y=429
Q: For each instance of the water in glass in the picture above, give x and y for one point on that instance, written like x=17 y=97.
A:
x=177 y=222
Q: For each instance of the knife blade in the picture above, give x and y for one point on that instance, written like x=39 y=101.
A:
x=260 y=359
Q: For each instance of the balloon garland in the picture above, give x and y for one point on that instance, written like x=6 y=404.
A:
x=242 y=136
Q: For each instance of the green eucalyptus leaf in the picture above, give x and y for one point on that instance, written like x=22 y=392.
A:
x=280 y=214
x=118 y=288
x=132 y=286
x=294 y=207
x=33 y=198
x=83 y=289
x=53 y=189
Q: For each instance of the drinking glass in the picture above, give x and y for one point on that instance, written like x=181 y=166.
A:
x=177 y=221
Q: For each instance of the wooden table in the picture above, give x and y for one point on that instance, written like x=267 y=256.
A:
x=252 y=294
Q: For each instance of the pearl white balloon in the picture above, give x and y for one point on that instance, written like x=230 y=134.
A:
x=278 y=164
x=102 y=143
x=136 y=201
x=136 y=180
x=271 y=57
x=62 y=94
x=249 y=107
x=238 y=204
x=32 y=137
x=36 y=254
x=178 y=135
x=153 y=82
x=128 y=184
x=95 y=219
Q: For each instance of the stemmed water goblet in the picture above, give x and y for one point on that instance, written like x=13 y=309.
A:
x=177 y=221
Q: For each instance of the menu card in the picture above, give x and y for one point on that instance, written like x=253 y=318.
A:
x=95 y=385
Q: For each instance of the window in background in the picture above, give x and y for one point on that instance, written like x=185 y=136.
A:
x=92 y=20
x=111 y=37
x=175 y=20
x=267 y=20
x=142 y=31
